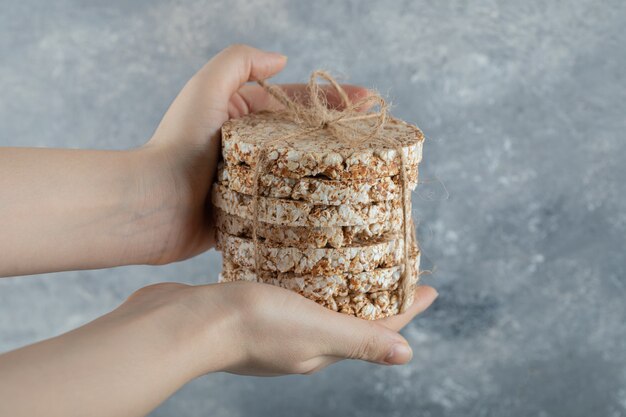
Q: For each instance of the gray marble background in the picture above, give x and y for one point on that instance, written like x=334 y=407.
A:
x=522 y=211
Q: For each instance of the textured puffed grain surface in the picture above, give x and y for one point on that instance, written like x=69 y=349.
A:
x=319 y=287
x=315 y=190
x=308 y=237
x=330 y=294
x=369 y=306
x=323 y=286
x=299 y=213
x=312 y=260
x=319 y=152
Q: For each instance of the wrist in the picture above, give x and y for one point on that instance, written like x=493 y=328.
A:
x=134 y=209
x=195 y=325
x=214 y=331
x=95 y=216
x=169 y=212
x=153 y=205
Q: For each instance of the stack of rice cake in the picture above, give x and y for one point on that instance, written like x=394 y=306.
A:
x=330 y=216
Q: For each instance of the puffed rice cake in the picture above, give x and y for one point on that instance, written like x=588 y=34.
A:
x=298 y=213
x=318 y=287
x=240 y=178
x=317 y=153
x=307 y=237
x=318 y=261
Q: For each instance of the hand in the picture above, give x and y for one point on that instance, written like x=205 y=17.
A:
x=259 y=329
x=183 y=153
x=130 y=360
x=69 y=209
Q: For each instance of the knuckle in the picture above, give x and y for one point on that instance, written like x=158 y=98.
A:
x=367 y=348
x=249 y=298
x=309 y=367
x=303 y=369
x=310 y=371
x=237 y=47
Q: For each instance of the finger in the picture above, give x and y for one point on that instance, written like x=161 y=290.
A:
x=253 y=98
x=349 y=337
x=424 y=297
x=334 y=101
x=202 y=106
x=228 y=70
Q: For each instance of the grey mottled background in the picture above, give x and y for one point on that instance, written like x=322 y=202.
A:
x=522 y=210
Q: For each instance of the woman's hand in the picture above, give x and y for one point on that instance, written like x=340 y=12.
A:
x=185 y=147
x=273 y=331
x=130 y=360
x=68 y=209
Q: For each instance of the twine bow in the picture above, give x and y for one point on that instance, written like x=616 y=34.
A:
x=339 y=123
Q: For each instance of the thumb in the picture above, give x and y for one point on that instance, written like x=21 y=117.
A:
x=354 y=338
x=225 y=73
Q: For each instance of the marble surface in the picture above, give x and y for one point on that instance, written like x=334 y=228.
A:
x=522 y=211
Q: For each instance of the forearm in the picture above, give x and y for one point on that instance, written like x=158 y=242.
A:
x=164 y=335
x=63 y=209
x=114 y=366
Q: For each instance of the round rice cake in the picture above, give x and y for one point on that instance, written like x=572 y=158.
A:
x=298 y=213
x=370 y=306
x=317 y=287
x=319 y=153
x=307 y=237
x=315 y=261
x=315 y=190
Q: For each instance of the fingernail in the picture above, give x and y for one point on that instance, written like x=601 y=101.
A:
x=399 y=354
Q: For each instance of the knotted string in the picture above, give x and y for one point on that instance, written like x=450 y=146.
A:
x=317 y=115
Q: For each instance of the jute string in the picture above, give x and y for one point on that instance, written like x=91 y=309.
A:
x=344 y=126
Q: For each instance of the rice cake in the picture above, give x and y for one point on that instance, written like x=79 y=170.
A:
x=307 y=237
x=316 y=261
x=323 y=286
x=298 y=213
x=318 y=153
x=240 y=178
